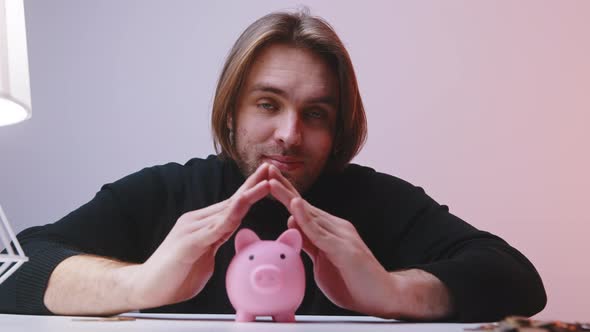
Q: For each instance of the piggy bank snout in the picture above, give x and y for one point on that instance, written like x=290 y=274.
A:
x=266 y=278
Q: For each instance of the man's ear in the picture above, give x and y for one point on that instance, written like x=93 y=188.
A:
x=230 y=122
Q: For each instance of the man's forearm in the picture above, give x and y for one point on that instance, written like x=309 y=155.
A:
x=89 y=285
x=419 y=295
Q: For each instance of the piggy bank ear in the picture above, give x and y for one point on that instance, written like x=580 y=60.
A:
x=292 y=238
x=244 y=238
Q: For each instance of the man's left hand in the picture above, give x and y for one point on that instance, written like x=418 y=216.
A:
x=344 y=267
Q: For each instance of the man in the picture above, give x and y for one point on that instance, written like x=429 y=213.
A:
x=287 y=119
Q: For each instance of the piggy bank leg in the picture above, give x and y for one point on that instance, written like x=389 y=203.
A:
x=288 y=317
x=244 y=317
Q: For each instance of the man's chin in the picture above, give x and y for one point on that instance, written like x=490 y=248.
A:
x=299 y=185
x=248 y=169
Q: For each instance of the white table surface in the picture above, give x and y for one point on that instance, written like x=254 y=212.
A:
x=195 y=323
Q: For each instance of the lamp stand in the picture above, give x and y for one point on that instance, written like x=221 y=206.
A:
x=14 y=257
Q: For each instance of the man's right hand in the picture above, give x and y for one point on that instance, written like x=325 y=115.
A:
x=181 y=266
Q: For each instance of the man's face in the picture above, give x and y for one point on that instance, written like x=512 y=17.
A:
x=286 y=114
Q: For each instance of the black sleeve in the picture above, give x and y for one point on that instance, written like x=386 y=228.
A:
x=488 y=279
x=117 y=223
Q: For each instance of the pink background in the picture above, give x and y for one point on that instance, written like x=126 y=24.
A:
x=487 y=105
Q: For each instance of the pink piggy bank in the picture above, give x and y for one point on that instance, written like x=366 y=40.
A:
x=266 y=278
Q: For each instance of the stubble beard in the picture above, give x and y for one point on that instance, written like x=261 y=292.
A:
x=250 y=158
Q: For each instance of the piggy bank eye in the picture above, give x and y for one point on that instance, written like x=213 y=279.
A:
x=282 y=256
x=251 y=257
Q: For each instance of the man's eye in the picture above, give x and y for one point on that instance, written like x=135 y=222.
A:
x=315 y=114
x=267 y=106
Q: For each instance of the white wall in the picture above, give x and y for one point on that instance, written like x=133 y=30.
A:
x=485 y=104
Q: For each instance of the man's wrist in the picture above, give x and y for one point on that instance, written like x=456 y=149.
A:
x=89 y=285
x=418 y=295
x=126 y=277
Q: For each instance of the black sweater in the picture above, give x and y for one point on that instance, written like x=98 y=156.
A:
x=404 y=228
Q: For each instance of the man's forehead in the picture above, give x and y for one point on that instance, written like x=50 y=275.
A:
x=292 y=72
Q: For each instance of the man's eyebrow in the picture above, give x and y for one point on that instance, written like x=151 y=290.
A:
x=262 y=87
x=267 y=88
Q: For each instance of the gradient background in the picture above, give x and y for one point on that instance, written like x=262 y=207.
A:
x=485 y=104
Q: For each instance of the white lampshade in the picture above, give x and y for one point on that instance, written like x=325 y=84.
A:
x=15 y=92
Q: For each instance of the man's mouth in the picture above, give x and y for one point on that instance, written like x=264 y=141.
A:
x=283 y=163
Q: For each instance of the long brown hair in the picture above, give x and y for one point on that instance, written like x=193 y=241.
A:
x=299 y=29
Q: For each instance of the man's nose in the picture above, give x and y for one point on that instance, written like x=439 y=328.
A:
x=288 y=131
